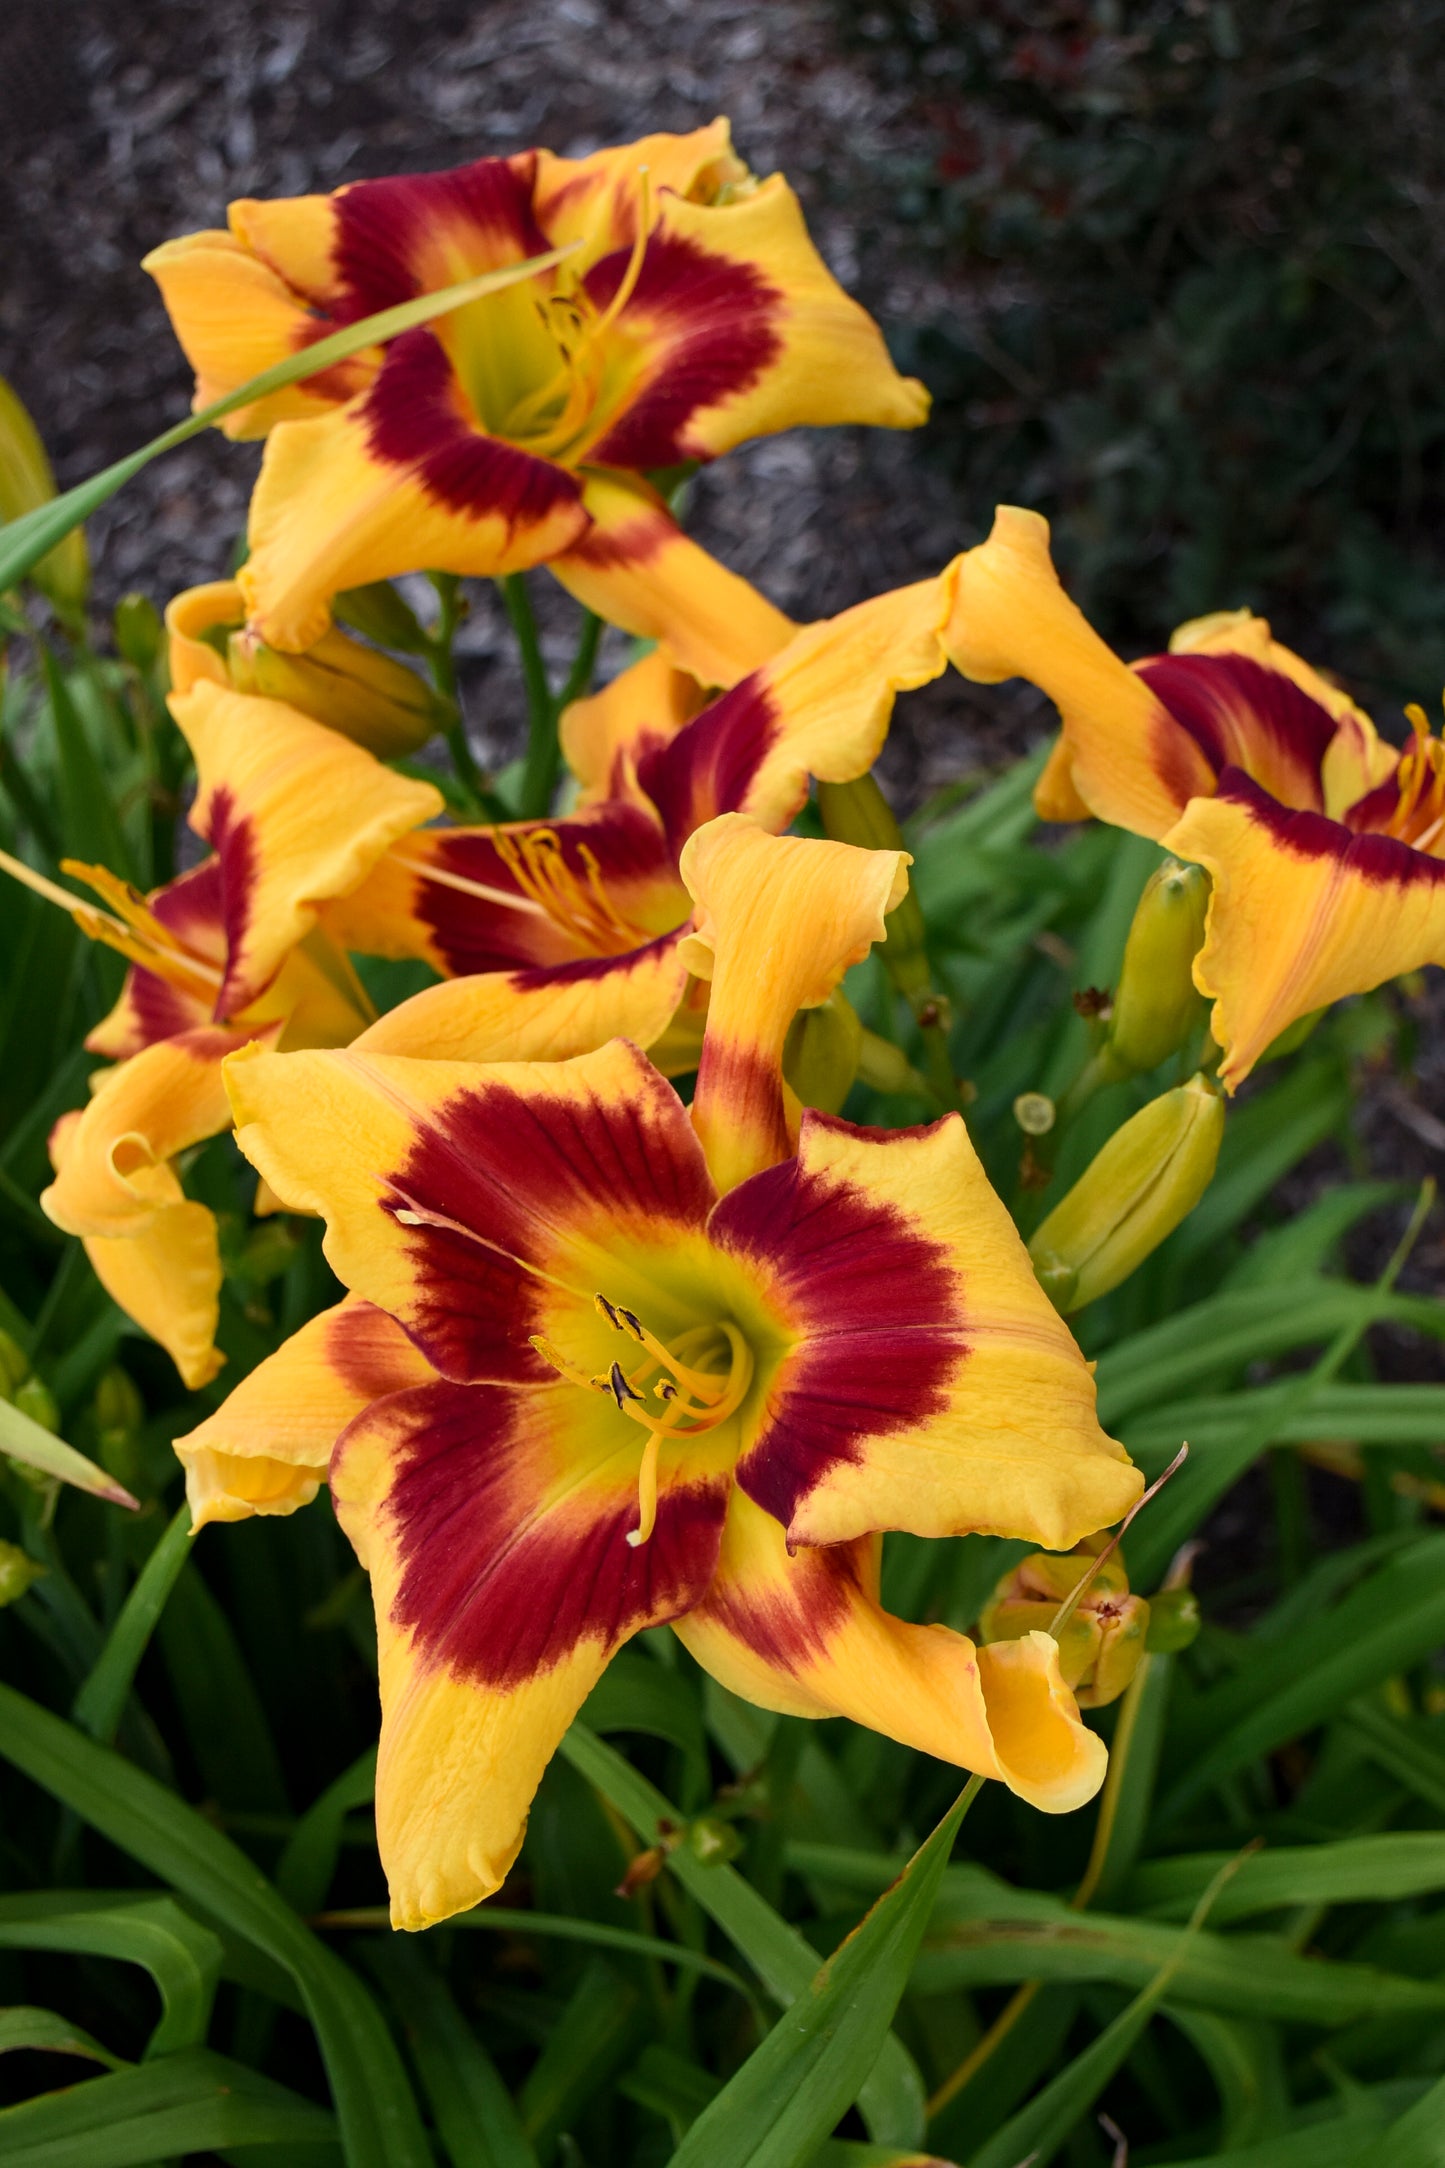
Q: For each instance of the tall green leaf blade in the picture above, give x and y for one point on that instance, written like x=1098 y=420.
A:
x=792 y=2090
x=479 y=2126
x=23 y=2026
x=181 y=1956
x=374 y=2103
x=26 y=1441
x=99 y=1705
x=187 y=2103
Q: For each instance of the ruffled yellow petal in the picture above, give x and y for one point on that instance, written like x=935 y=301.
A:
x=1303 y=913
x=827 y=363
x=806 y=1635
x=537 y=1015
x=635 y=567
x=1003 y=1438
x=595 y=199
x=297 y=814
x=267 y=1447
x=189 y=616
x=778 y=921
x=643 y=708
x=1130 y=763
x=165 y=1273
x=329 y=512
x=116 y=1171
x=234 y=317
x=295 y=236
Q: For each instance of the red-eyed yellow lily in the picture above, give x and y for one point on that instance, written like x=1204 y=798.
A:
x=558 y=935
x=229 y=952
x=690 y=313
x=1325 y=846
x=607 y=1361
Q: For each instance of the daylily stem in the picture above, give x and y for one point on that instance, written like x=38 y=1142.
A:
x=444 y=677
x=539 y=776
x=584 y=662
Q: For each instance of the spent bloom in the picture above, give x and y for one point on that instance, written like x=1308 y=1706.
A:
x=607 y=1361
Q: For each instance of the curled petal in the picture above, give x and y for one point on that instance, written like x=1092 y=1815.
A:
x=494 y=1526
x=635 y=567
x=267 y=1447
x=805 y=1634
x=164 y=1272
x=1303 y=912
x=191 y=911
x=928 y=1383
x=1130 y=762
x=778 y=921
x=297 y=815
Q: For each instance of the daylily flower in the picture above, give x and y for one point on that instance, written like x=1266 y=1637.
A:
x=558 y=935
x=680 y=1365
x=690 y=313
x=1326 y=846
x=229 y=952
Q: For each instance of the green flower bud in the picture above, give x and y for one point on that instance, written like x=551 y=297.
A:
x=1173 y=1621
x=366 y=696
x=1100 y=1644
x=17 y=1571
x=820 y=1054
x=118 y=1413
x=711 y=1842
x=26 y=482
x=139 y=632
x=1157 y=1004
x=378 y=613
x=858 y=813
x=35 y=1399
x=1148 y=1177
x=14 y=1365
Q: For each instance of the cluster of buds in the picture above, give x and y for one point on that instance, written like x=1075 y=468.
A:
x=1103 y=1637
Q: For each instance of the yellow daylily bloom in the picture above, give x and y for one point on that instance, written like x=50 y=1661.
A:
x=685 y=1364
x=690 y=313
x=1325 y=846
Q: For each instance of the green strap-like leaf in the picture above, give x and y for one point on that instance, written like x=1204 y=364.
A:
x=181 y=2104
x=26 y=540
x=181 y=1956
x=479 y=2126
x=374 y=2104
x=101 y=1701
x=23 y=2025
x=26 y=1441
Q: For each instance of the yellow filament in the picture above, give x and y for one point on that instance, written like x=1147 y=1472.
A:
x=1419 y=816
x=136 y=932
x=646 y=1492
x=580 y=905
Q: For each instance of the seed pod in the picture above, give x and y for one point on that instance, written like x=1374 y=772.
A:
x=1103 y=1639
x=1148 y=1177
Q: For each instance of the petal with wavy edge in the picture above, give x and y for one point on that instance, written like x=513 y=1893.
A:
x=165 y=1273
x=546 y=1014
x=267 y=1447
x=297 y=815
x=820 y=708
x=930 y=1385
x=482 y=1205
x=494 y=1523
x=1131 y=763
x=805 y=1634
x=400 y=477
x=1303 y=913
x=640 y=711
x=595 y=199
x=635 y=567
x=778 y=921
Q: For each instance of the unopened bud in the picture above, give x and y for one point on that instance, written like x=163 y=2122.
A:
x=1173 y=1621
x=1101 y=1641
x=820 y=1054
x=858 y=813
x=35 y=1399
x=17 y=1571
x=712 y=1842
x=26 y=482
x=1157 y=1004
x=366 y=696
x=1148 y=1177
x=379 y=613
x=139 y=633
x=14 y=1365
x=118 y=1413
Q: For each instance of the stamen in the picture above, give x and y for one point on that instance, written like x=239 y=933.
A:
x=646 y=1493
x=136 y=933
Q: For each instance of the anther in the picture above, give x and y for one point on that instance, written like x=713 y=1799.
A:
x=618 y=1386
x=605 y=1309
x=632 y=1322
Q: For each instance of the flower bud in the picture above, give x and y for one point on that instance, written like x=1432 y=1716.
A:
x=1174 y=1621
x=1157 y=1004
x=17 y=1571
x=378 y=613
x=118 y=1413
x=820 y=1054
x=26 y=482
x=1148 y=1177
x=355 y=690
x=35 y=1399
x=14 y=1365
x=858 y=813
x=1101 y=1642
x=139 y=633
